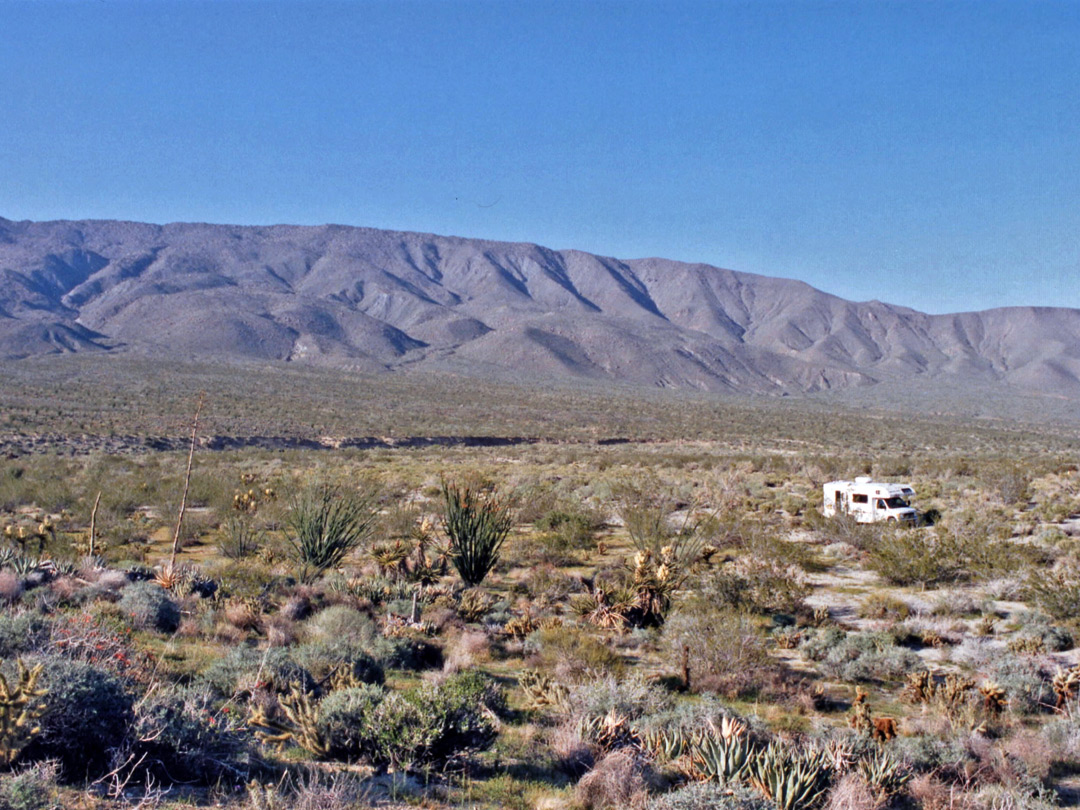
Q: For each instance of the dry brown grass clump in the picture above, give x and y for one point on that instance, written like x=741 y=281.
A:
x=620 y=781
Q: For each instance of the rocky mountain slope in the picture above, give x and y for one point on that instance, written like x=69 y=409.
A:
x=381 y=300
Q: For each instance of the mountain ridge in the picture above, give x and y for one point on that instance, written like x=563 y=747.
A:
x=377 y=300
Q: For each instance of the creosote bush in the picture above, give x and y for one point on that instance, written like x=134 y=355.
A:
x=150 y=607
x=426 y=725
x=84 y=704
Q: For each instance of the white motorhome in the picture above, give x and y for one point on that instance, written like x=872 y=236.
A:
x=869 y=501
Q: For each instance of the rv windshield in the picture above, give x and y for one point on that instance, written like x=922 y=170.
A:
x=896 y=503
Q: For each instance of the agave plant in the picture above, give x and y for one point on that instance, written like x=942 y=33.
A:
x=24 y=564
x=794 y=780
x=884 y=773
x=724 y=755
x=667 y=744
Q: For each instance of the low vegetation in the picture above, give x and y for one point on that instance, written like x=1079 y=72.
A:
x=548 y=624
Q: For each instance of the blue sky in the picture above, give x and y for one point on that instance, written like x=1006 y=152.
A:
x=925 y=154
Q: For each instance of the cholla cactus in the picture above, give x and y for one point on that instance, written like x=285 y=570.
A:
x=300 y=724
x=1066 y=683
x=542 y=690
x=19 y=710
x=920 y=687
x=861 y=719
x=520 y=626
x=994 y=699
x=953 y=693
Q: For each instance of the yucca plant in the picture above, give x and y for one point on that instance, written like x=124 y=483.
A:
x=477 y=525
x=325 y=524
x=794 y=780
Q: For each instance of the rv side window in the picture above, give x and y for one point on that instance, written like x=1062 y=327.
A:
x=858 y=498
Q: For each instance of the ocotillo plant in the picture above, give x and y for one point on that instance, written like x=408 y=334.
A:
x=477 y=525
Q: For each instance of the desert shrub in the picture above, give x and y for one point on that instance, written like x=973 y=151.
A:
x=575 y=523
x=723 y=648
x=428 y=725
x=1011 y=483
x=31 y=788
x=477 y=524
x=564 y=532
x=324 y=658
x=349 y=722
x=83 y=703
x=572 y=653
x=178 y=737
x=817 y=645
x=632 y=697
x=342 y=623
x=240 y=538
x=928 y=753
x=901 y=556
x=860 y=656
x=1022 y=679
x=756 y=585
x=1037 y=626
x=22 y=632
x=325 y=524
x=150 y=607
x=242 y=669
x=883 y=606
x=546 y=584
x=710 y=796
x=1056 y=592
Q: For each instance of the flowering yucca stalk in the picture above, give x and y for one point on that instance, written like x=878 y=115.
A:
x=477 y=525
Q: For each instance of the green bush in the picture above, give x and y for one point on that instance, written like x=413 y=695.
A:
x=755 y=585
x=180 y=738
x=348 y=721
x=88 y=715
x=1055 y=592
x=242 y=669
x=860 y=656
x=32 y=788
x=323 y=658
x=573 y=652
x=150 y=607
x=902 y=556
x=21 y=633
x=428 y=725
